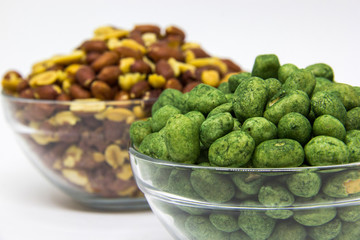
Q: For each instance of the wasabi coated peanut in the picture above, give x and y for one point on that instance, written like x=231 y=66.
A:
x=232 y=150
x=204 y=98
x=273 y=86
x=250 y=98
x=248 y=183
x=327 y=231
x=201 y=229
x=325 y=150
x=349 y=214
x=229 y=97
x=353 y=119
x=288 y=230
x=224 y=87
x=317 y=216
x=226 y=107
x=236 y=79
x=346 y=93
x=349 y=231
x=321 y=84
x=161 y=116
x=237 y=125
x=285 y=102
x=168 y=97
x=260 y=129
x=328 y=125
x=266 y=66
x=285 y=71
x=304 y=184
x=179 y=183
x=182 y=139
x=139 y=130
x=224 y=222
x=278 y=153
x=272 y=195
x=300 y=79
x=256 y=224
x=352 y=140
x=295 y=126
x=212 y=187
x=239 y=235
x=321 y=70
x=154 y=146
x=197 y=117
x=215 y=127
x=323 y=103
x=343 y=184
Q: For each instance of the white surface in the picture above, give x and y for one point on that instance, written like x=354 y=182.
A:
x=300 y=32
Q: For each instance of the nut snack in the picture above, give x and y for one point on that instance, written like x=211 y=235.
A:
x=74 y=111
x=272 y=155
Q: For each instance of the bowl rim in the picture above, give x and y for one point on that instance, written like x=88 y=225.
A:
x=11 y=98
x=348 y=166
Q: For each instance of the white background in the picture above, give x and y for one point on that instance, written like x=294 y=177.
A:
x=299 y=32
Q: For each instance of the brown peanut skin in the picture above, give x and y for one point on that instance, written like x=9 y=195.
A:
x=139 y=89
x=199 y=53
x=122 y=96
x=63 y=97
x=24 y=84
x=91 y=57
x=85 y=76
x=47 y=92
x=174 y=84
x=27 y=93
x=101 y=90
x=109 y=74
x=137 y=37
x=77 y=92
x=164 y=69
x=8 y=75
x=94 y=46
x=175 y=31
x=190 y=86
x=106 y=59
x=141 y=67
x=232 y=67
x=125 y=52
x=158 y=51
x=187 y=77
x=147 y=28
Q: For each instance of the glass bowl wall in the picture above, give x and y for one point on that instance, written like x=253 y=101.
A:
x=198 y=202
x=81 y=146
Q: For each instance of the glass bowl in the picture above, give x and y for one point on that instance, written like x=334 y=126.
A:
x=199 y=202
x=81 y=146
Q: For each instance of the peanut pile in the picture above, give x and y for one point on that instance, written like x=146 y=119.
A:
x=85 y=140
x=118 y=64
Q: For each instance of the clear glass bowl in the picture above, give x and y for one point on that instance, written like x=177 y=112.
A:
x=81 y=146
x=198 y=202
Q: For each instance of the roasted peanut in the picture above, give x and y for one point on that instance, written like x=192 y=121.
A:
x=139 y=89
x=210 y=77
x=190 y=86
x=85 y=75
x=42 y=79
x=94 y=46
x=74 y=57
x=114 y=156
x=125 y=52
x=77 y=177
x=105 y=59
x=125 y=64
x=91 y=57
x=128 y=80
x=77 y=92
x=157 y=81
x=48 y=92
x=148 y=28
x=231 y=66
x=141 y=67
x=163 y=51
x=164 y=68
x=174 y=84
x=122 y=96
x=101 y=90
x=109 y=74
x=175 y=31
